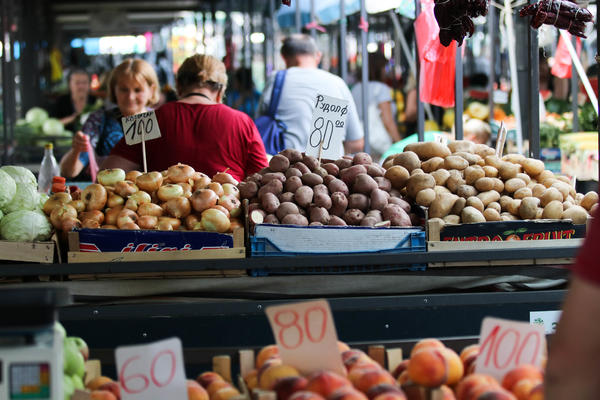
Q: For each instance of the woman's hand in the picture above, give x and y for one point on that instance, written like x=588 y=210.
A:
x=81 y=142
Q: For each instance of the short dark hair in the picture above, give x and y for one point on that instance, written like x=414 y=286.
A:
x=77 y=71
x=298 y=44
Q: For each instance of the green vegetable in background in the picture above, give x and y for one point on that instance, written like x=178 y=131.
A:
x=20 y=174
x=588 y=120
x=8 y=188
x=549 y=135
x=25 y=226
x=557 y=106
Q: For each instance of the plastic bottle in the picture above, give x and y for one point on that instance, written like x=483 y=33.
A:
x=48 y=169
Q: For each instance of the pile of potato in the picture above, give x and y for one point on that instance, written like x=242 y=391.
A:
x=467 y=182
x=296 y=190
x=179 y=198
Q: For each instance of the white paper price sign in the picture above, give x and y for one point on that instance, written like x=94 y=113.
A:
x=547 y=319
x=306 y=337
x=140 y=127
x=505 y=344
x=328 y=127
x=152 y=371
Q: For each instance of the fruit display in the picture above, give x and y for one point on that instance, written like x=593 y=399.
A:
x=21 y=216
x=463 y=182
x=179 y=198
x=296 y=190
x=75 y=354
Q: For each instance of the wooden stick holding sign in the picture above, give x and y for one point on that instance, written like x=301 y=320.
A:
x=140 y=128
x=502 y=133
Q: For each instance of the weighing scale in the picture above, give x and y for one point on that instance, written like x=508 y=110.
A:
x=31 y=347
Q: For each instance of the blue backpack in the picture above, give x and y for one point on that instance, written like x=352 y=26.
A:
x=271 y=129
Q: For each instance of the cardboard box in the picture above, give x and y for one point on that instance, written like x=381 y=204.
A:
x=504 y=235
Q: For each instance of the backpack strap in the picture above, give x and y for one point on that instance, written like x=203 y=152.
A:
x=276 y=93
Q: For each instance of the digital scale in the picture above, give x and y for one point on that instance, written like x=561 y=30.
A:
x=31 y=347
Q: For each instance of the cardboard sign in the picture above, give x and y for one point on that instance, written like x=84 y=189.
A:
x=328 y=127
x=505 y=344
x=546 y=319
x=140 y=127
x=306 y=337
x=152 y=371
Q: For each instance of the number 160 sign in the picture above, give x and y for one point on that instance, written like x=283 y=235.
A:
x=306 y=336
x=152 y=371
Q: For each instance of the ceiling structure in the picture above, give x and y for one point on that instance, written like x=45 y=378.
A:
x=94 y=17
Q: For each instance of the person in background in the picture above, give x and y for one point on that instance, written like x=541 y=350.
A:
x=303 y=81
x=70 y=106
x=198 y=130
x=382 y=126
x=574 y=358
x=243 y=95
x=133 y=87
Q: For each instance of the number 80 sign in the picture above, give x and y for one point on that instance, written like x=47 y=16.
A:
x=306 y=336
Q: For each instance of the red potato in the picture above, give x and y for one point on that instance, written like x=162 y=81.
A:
x=311 y=162
x=270 y=202
x=328 y=179
x=322 y=200
x=300 y=166
x=331 y=169
x=271 y=219
x=338 y=185
x=379 y=199
x=383 y=183
x=292 y=184
x=399 y=201
x=358 y=201
x=275 y=187
x=349 y=174
x=292 y=172
x=339 y=204
x=362 y=158
x=343 y=163
x=375 y=214
x=319 y=214
x=363 y=183
x=311 y=179
x=353 y=216
x=255 y=177
x=287 y=196
x=295 y=219
x=279 y=163
x=285 y=209
x=248 y=189
x=321 y=188
x=257 y=216
x=268 y=177
x=396 y=215
x=304 y=196
x=336 y=221
x=292 y=155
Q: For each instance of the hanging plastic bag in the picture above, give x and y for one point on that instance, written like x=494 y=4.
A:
x=436 y=81
x=563 y=65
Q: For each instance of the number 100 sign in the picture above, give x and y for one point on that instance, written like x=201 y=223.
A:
x=152 y=371
x=306 y=336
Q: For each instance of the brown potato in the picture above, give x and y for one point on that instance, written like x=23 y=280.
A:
x=488 y=197
x=563 y=188
x=545 y=174
x=473 y=174
x=425 y=197
x=589 y=200
x=553 y=210
x=524 y=177
x=476 y=203
x=513 y=206
x=442 y=205
x=416 y=171
x=433 y=164
x=509 y=170
x=498 y=185
x=471 y=215
x=490 y=172
x=504 y=202
x=441 y=189
x=473 y=159
x=522 y=193
x=532 y=166
x=455 y=162
x=549 y=195
x=454 y=180
x=528 y=207
x=514 y=158
x=398 y=175
x=493 y=161
x=458 y=206
x=577 y=214
x=484 y=150
x=451 y=219
x=427 y=150
x=506 y=216
x=466 y=191
x=484 y=184
x=418 y=182
x=440 y=176
x=537 y=190
x=408 y=159
x=461 y=145
x=494 y=205
x=491 y=214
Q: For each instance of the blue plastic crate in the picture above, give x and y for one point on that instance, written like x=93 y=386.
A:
x=411 y=240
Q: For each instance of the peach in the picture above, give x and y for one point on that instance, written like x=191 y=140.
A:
x=468 y=357
x=207 y=377
x=251 y=379
x=428 y=367
x=447 y=393
x=289 y=385
x=347 y=393
x=404 y=379
x=326 y=382
x=391 y=396
x=377 y=390
x=400 y=368
x=496 y=394
x=468 y=351
x=426 y=343
x=346 y=355
x=522 y=388
x=269 y=377
x=455 y=366
x=225 y=393
x=214 y=386
x=342 y=347
x=306 y=395
x=266 y=352
x=537 y=393
x=369 y=378
x=196 y=391
x=521 y=372
x=368 y=363
x=416 y=392
x=112 y=387
x=467 y=386
x=102 y=395
x=98 y=381
x=268 y=363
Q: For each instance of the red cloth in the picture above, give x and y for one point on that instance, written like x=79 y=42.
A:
x=210 y=138
x=587 y=265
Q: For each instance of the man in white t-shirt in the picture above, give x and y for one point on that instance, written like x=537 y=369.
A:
x=303 y=81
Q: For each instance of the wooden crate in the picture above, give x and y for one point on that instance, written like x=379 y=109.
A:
x=238 y=251
x=37 y=252
x=435 y=244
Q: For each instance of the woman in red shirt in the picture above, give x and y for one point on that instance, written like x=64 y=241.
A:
x=198 y=129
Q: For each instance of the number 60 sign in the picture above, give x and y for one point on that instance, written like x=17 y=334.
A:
x=152 y=371
x=306 y=336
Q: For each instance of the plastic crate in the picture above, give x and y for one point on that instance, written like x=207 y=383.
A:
x=412 y=240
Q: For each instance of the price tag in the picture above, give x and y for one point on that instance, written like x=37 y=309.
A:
x=152 y=371
x=328 y=127
x=306 y=337
x=140 y=126
x=547 y=319
x=505 y=344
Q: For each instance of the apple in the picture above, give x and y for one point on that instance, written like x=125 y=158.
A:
x=77 y=382
x=60 y=330
x=68 y=387
x=74 y=364
x=82 y=346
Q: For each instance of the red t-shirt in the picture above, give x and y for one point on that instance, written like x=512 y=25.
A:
x=210 y=138
x=587 y=265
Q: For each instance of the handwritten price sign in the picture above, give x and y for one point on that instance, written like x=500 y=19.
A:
x=153 y=371
x=506 y=344
x=327 y=127
x=306 y=336
x=140 y=127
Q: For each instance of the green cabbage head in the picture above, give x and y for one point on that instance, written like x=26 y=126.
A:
x=20 y=174
x=8 y=188
x=25 y=226
x=26 y=198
